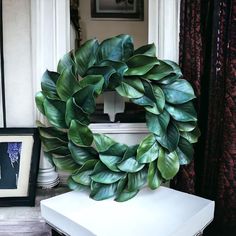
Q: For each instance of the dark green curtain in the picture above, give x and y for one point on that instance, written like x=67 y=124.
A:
x=208 y=61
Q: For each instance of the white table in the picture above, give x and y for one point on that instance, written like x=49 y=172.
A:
x=163 y=212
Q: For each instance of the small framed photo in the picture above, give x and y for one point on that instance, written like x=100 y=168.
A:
x=118 y=9
x=19 y=162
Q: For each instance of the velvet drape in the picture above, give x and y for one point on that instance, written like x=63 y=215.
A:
x=208 y=62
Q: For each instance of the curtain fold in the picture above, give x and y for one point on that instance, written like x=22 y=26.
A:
x=208 y=61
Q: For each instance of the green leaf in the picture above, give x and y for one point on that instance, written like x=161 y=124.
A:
x=48 y=84
x=170 y=139
x=175 y=67
x=52 y=132
x=60 y=151
x=154 y=178
x=75 y=186
x=159 y=71
x=185 y=151
x=65 y=163
x=85 y=56
x=192 y=136
x=107 y=177
x=39 y=99
x=113 y=156
x=168 y=79
x=80 y=134
x=67 y=84
x=103 y=191
x=95 y=80
x=126 y=195
x=137 y=180
x=131 y=88
x=129 y=163
x=147 y=150
x=66 y=62
x=50 y=144
x=157 y=124
x=74 y=112
x=140 y=64
x=110 y=49
x=85 y=99
x=148 y=50
x=178 y=92
x=127 y=46
x=184 y=112
x=82 y=154
x=105 y=71
x=168 y=165
x=185 y=126
x=102 y=142
x=55 y=112
x=83 y=175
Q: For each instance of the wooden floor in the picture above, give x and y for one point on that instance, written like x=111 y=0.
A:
x=27 y=221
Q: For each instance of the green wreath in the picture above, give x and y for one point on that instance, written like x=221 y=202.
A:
x=95 y=161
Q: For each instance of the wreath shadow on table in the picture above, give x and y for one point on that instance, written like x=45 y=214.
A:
x=95 y=161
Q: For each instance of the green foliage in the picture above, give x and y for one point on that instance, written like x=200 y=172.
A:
x=95 y=161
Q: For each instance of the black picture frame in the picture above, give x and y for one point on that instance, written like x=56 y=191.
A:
x=23 y=151
x=118 y=10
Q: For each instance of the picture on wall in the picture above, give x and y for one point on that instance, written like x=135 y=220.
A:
x=19 y=159
x=118 y=9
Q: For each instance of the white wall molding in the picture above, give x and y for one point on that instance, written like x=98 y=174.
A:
x=50 y=27
x=163 y=27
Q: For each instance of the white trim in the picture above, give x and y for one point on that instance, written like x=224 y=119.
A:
x=163 y=28
x=119 y=128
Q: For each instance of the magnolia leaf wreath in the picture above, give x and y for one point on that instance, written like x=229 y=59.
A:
x=95 y=161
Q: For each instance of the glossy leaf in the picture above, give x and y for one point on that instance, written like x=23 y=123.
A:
x=105 y=71
x=80 y=134
x=96 y=81
x=48 y=84
x=185 y=126
x=148 y=149
x=168 y=164
x=130 y=165
x=154 y=177
x=175 y=67
x=50 y=144
x=136 y=180
x=85 y=56
x=102 y=142
x=178 y=92
x=52 y=132
x=127 y=46
x=66 y=62
x=82 y=154
x=83 y=174
x=110 y=49
x=112 y=156
x=185 y=151
x=75 y=186
x=107 y=177
x=39 y=100
x=126 y=195
x=103 y=191
x=66 y=164
x=148 y=50
x=157 y=124
x=67 y=84
x=85 y=99
x=74 y=112
x=170 y=139
x=55 y=112
x=192 y=136
x=184 y=112
x=140 y=64
x=119 y=67
x=159 y=71
x=131 y=88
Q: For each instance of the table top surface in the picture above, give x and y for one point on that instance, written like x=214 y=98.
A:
x=165 y=212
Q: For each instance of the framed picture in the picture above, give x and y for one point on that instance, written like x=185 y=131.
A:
x=19 y=162
x=118 y=9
